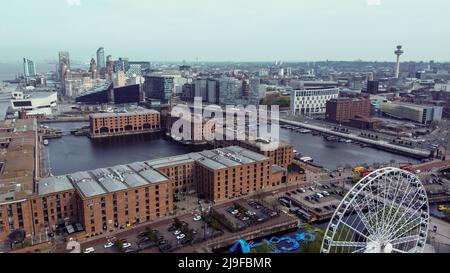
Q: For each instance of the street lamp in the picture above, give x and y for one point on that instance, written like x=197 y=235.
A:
x=205 y=225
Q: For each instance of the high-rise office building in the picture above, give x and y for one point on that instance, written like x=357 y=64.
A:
x=119 y=79
x=64 y=63
x=101 y=62
x=29 y=69
x=245 y=88
x=230 y=90
x=188 y=92
x=109 y=67
x=64 y=57
x=121 y=64
x=201 y=89
x=159 y=87
x=373 y=87
x=93 y=68
x=213 y=91
x=253 y=91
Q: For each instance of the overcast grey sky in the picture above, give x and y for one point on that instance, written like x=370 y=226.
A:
x=226 y=30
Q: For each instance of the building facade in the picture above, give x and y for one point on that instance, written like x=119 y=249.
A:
x=344 y=109
x=34 y=103
x=373 y=87
x=308 y=102
x=29 y=68
x=424 y=114
x=135 y=122
x=19 y=166
x=64 y=64
x=101 y=61
x=159 y=87
x=127 y=94
x=108 y=199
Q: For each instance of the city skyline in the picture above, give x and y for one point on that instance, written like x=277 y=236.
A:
x=285 y=30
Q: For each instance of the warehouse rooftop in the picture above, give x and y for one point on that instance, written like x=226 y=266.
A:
x=54 y=184
x=122 y=177
x=133 y=112
x=18 y=154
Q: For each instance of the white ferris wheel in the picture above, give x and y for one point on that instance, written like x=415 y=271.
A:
x=385 y=212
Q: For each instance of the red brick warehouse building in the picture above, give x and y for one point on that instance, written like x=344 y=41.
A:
x=342 y=110
x=124 y=123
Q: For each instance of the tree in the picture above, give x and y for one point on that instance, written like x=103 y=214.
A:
x=177 y=223
x=312 y=246
x=16 y=236
x=119 y=245
x=151 y=235
x=260 y=195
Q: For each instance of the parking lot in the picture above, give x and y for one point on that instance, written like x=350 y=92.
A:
x=320 y=200
x=166 y=236
x=246 y=213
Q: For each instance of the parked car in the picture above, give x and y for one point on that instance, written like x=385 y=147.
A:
x=142 y=234
x=89 y=250
x=181 y=236
x=144 y=239
x=146 y=245
x=108 y=245
x=197 y=217
x=251 y=213
x=165 y=247
x=126 y=245
x=177 y=232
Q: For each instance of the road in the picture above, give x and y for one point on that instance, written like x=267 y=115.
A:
x=442 y=234
x=382 y=144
